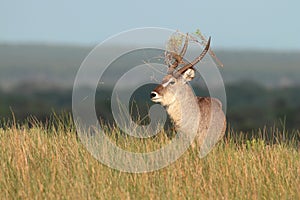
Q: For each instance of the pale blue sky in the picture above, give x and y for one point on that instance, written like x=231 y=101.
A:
x=263 y=24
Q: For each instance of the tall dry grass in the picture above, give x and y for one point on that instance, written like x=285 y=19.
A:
x=47 y=161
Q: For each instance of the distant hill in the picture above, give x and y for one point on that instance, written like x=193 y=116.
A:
x=56 y=66
x=46 y=64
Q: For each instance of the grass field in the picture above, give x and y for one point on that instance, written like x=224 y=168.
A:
x=47 y=161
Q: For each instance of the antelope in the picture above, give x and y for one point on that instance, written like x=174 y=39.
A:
x=177 y=96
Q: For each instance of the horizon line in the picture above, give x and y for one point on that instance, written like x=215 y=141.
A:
x=93 y=45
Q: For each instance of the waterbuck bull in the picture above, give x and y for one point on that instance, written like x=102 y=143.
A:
x=177 y=96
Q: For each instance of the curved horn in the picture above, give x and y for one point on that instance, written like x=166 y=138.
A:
x=184 y=48
x=184 y=68
x=178 y=58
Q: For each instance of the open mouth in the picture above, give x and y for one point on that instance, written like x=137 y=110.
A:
x=155 y=99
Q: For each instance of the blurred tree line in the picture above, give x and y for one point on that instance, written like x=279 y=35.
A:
x=249 y=105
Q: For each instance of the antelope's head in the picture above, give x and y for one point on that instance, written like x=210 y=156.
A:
x=176 y=81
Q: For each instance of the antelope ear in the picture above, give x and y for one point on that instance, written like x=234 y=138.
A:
x=189 y=74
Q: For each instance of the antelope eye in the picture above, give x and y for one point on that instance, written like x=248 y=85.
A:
x=172 y=82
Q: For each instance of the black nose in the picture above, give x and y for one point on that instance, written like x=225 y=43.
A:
x=153 y=94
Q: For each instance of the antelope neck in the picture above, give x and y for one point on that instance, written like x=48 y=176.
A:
x=185 y=103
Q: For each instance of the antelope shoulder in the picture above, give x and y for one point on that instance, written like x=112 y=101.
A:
x=208 y=102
